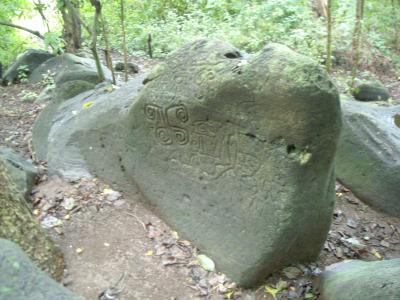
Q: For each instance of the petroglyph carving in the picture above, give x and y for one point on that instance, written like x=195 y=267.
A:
x=167 y=123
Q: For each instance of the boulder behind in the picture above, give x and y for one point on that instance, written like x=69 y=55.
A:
x=29 y=60
x=368 y=157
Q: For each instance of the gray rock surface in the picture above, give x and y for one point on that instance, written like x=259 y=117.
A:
x=237 y=155
x=358 y=280
x=22 y=172
x=46 y=94
x=20 y=279
x=368 y=157
x=32 y=58
x=132 y=67
x=68 y=89
x=370 y=91
x=73 y=76
x=59 y=127
x=67 y=67
x=41 y=129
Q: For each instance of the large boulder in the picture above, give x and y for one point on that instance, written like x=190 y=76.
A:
x=358 y=280
x=68 y=89
x=370 y=91
x=22 y=172
x=26 y=63
x=18 y=225
x=237 y=155
x=57 y=130
x=68 y=67
x=72 y=75
x=20 y=279
x=368 y=157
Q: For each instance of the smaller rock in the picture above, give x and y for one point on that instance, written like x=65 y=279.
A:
x=119 y=203
x=50 y=222
x=357 y=280
x=46 y=94
x=112 y=195
x=292 y=272
x=352 y=223
x=20 y=279
x=23 y=172
x=69 y=89
x=132 y=68
x=370 y=91
x=68 y=203
x=25 y=64
x=354 y=243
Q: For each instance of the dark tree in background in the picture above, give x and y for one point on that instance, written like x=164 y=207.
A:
x=357 y=40
x=72 y=33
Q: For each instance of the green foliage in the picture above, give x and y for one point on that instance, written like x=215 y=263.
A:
x=23 y=72
x=54 y=41
x=249 y=25
x=27 y=96
x=11 y=42
x=48 y=79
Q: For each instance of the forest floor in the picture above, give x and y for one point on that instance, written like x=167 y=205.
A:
x=113 y=244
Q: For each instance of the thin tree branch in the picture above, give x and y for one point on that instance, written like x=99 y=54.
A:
x=36 y=33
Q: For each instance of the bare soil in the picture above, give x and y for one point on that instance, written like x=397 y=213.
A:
x=115 y=248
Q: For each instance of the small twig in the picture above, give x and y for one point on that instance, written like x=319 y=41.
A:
x=112 y=292
x=137 y=219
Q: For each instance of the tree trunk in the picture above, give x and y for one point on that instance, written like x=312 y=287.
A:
x=18 y=225
x=320 y=8
x=92 y=31
x=329 y=37
x=396 y=27
x=124 y=39
x=72 y=25
x=93 y=46
x=357 y=40
x=149 y=45
x=107 y=51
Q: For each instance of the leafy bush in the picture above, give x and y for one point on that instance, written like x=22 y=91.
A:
x=249 y=25
x=11 y=42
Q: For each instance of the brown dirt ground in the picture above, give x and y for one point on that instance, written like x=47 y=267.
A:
x=118 y=246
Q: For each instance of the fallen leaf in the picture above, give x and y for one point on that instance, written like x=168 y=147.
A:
x=68 y=203
x=292 y=272
x=50 y=222
x=229 y=294
x=175 y=234
x=376 y=253
x=352 y=223
x=385 y=244
x=205 y=262
x=282 y=285
x=87 y=104
x=309 y=296
x=271 y=290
